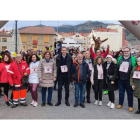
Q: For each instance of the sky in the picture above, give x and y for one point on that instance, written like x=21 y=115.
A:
x=10 y=24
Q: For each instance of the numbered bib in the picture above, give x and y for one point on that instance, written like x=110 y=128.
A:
x=90 y=66
x=136 y=75
x=33 y=70
x=123 y=68
x=48 y=69
x=64 y=68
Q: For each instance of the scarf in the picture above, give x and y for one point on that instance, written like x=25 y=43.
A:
x=138 y=68
x=47 y=60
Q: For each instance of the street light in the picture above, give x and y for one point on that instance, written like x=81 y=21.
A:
x=16 y=35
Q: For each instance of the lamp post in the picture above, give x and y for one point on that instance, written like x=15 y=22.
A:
x=16 y=36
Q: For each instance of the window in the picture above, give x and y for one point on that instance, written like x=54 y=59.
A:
x=4 y=48
x=46 y=38
x=23 y=38
x=4 y=39
x=34 y=37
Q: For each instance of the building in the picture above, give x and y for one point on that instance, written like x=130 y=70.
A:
x=35 y=37
x=5 y=40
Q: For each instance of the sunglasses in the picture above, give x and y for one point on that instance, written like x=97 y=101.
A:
x=125 y=51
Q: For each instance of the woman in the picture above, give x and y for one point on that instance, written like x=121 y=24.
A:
x=47 y=76
x=135 y=83
x=99 y=79
x=39 y=55
x=111 y=79
x=4 y=68
x=33 y=77
x=25 y=57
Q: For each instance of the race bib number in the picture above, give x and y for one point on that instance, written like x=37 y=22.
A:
x=48 y=69
x=123 y=68
x=100 y=76
x=33 y=70
x=64 y=68
x=136 y=75
x=90 y=66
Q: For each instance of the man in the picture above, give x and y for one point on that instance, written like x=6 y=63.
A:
x=98 y=52
x=64 y=65
x=81 y=75
x=98 y=42
x=71 y=51
x=58 y=47
x=18 y=69
x=88 y=60
x=125 y=64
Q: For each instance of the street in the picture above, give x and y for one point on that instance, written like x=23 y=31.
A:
x=63 y=112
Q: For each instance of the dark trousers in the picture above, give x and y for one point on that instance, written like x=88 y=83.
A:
x=88 y=87
x=98 y=94
x=111 y=96
x=138 y=104
x=125 y=85
x=63 y=80
x=50 y=91
x=6 y=88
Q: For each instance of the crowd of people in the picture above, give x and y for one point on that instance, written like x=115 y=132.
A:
x=102 y=70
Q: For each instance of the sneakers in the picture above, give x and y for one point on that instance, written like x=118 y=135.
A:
x=112 y=106
x=130 y=109
x=32 y=102
x=109 y=103
x=96 y=102
x=35 y=104
x=7 y=104
x=14 y=105
x=100 y=103
x=119 y=106
x=10 y=102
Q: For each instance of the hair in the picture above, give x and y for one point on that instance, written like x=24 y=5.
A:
x=25 y=55
x=48 y=53
x=138 y=59
x=30 y=58
x=96 y=59
x=8 y=55
x=63 y=47
x=127 y=48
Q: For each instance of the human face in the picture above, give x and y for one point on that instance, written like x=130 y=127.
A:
x=34 y=58
x=126 y=52
x=6 y=58
x=87 y=55
x=47 y=56
x=98 y=38
x=98 y=52
x=138 y=63
x=80 y=58
x=99 y=60
x=18 y=58
x=109 y=59
x=64 y=51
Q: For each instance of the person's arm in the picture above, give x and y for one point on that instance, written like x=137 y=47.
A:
x=94 y=38
x=115 y=69
x=105 y=40
x=92 y=76
x=39 y=71
x=131 y=79
x=106 y=53
x=92 y=53
x=27 y=70
x=116 y=55
x=9 y=74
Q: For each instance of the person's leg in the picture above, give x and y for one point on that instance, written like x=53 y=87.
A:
x=31 y=85
x=100 y=88
x=112 y=96
x=60 y=84
x=129 y=93
x=121 y=92
x=50 y=91
x=109 y=95
x=34 y=91
x=82 y=91
x=88 y=85
x=23 y=91
x=6 y=88
x=16 y=96
x=66 y=90
x=76 y=92
x=44 y=94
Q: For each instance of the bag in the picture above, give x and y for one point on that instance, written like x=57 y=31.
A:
x=24 y=79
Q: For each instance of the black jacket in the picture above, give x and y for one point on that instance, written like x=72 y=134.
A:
x=86 y=72
x=96 y=77
x=69 y=63
x=112 y=72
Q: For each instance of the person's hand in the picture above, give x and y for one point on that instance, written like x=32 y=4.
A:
x=40 y=79
x=108 y=46
x=54 y=79
x=25 y=74
x=93 y=84
x=92 y=45
x=133 y=87
x=112 y=82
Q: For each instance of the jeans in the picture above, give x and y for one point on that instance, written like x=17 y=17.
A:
x=50 y=90
x=125 y=85
x=79 y=86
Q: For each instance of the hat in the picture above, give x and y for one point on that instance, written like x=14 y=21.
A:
x=109 y=56
x=138 y=59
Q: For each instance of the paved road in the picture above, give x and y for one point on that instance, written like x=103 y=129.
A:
x=63 y=112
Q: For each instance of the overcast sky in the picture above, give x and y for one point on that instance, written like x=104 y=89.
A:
x=25 y=23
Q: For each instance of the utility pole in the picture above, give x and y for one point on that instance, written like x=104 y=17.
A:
x=16 y=35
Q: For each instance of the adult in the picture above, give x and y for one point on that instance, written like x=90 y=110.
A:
x=47 y=76
x=33 y=63
x=81 y=75
x=125 y=64
x=98 y=52
x=17 y=70
x=64 y=65
x=58 y=47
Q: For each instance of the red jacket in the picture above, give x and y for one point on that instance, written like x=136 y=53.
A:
x=4 y=67
x=14 y=74
x=94 y=54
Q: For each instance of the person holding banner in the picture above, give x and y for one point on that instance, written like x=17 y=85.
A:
x=125 y=64
x=47 y=77
x=135 y=83
x=33 y=63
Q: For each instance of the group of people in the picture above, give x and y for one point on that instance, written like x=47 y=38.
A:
x=101 y=70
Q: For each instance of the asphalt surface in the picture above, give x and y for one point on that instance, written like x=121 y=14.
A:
x=64 y=112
